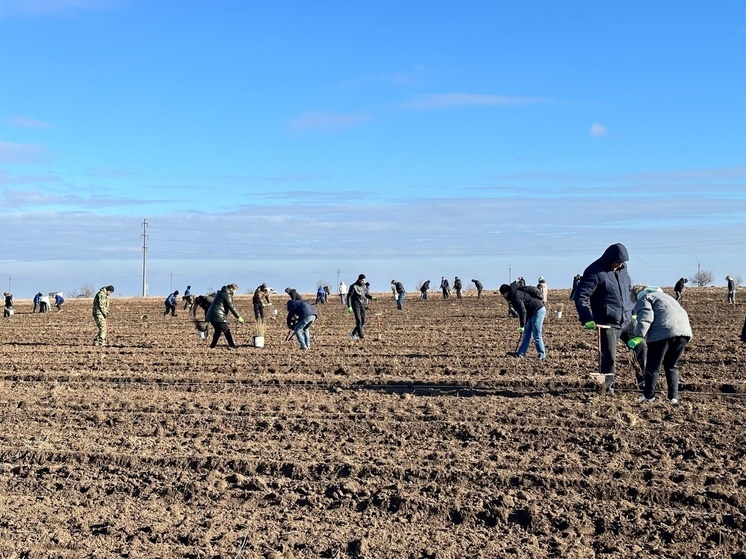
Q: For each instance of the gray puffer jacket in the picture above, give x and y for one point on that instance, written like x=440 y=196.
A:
x=221 y=305
x=660 y=317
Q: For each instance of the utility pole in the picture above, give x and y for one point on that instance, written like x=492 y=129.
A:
x=144 y=257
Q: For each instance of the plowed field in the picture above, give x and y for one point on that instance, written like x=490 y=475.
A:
x=422 y=441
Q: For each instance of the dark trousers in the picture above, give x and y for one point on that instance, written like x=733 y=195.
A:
x=664 y=353
x=170 y=309
x=359 y=309
x=221 y=328
x=609 y=338
x=258 y=311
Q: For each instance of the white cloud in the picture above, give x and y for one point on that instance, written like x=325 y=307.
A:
x=25 y=122
x=328 y=121
x=598 y=130
x=448 y=100
x=11 y=152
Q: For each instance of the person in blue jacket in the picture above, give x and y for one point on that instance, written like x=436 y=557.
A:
x=301 y=316
x=58 y=300
x=602 y=299
x=37 y=302
x=170 y=303
x=188 y=298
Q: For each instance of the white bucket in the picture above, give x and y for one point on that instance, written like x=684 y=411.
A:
x=258 y=341
x=202 y=335
x=558 y=314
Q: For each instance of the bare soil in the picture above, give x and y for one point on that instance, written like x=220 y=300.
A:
x=422 y=441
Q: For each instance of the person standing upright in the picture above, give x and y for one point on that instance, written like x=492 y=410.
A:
x=342 y=292
x=101 y=313
x=357 y=297
x=575 y=282
x=731 y=290
x=445 y=287
x=457 y=285
x=602 y=299
x=217 y=315
x=260 y=300
x=8 y=310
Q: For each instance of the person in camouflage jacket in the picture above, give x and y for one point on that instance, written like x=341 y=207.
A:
x=101 y=313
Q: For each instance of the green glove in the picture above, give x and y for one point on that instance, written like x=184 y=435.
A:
x=375 y=298
x=241 y=320
x=634 y=342
x=590 y=325
x=349 y=310
x=520 y=328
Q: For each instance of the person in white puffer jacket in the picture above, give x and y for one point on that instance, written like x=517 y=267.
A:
x=664 y=324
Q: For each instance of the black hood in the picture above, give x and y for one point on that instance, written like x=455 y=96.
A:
x=615 y=253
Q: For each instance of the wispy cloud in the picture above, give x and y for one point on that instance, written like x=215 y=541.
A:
x=598 y=130
x=25 y=122
x=450 y=100
x=32 y=8
x=328 y=121
x=11 y=152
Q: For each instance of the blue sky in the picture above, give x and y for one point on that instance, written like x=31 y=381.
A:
x=289 y=142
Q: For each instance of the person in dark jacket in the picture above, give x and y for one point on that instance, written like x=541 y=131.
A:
x=201 y=302
x=575 y=282
x=301 y=315
x=37 y=301
x=731 y=290
x=445 y=287
x=602 y=299
x=8 y=310
x=457 y=285
x=424 y=288
x=217 y=315
x=398 y=288
x=478 y=285
x=357 y=297
x=678 y=288
x=526 y=300
x=58 y=301
x=260 y=300
x=293 y=294
x=170 y=304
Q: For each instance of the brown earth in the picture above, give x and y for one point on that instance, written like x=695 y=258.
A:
x=422 y=441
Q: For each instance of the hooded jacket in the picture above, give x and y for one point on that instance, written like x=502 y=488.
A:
x=659 y=316
x=301 y=309
x=221 y=305
x=603 y=294
x=526 y=300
